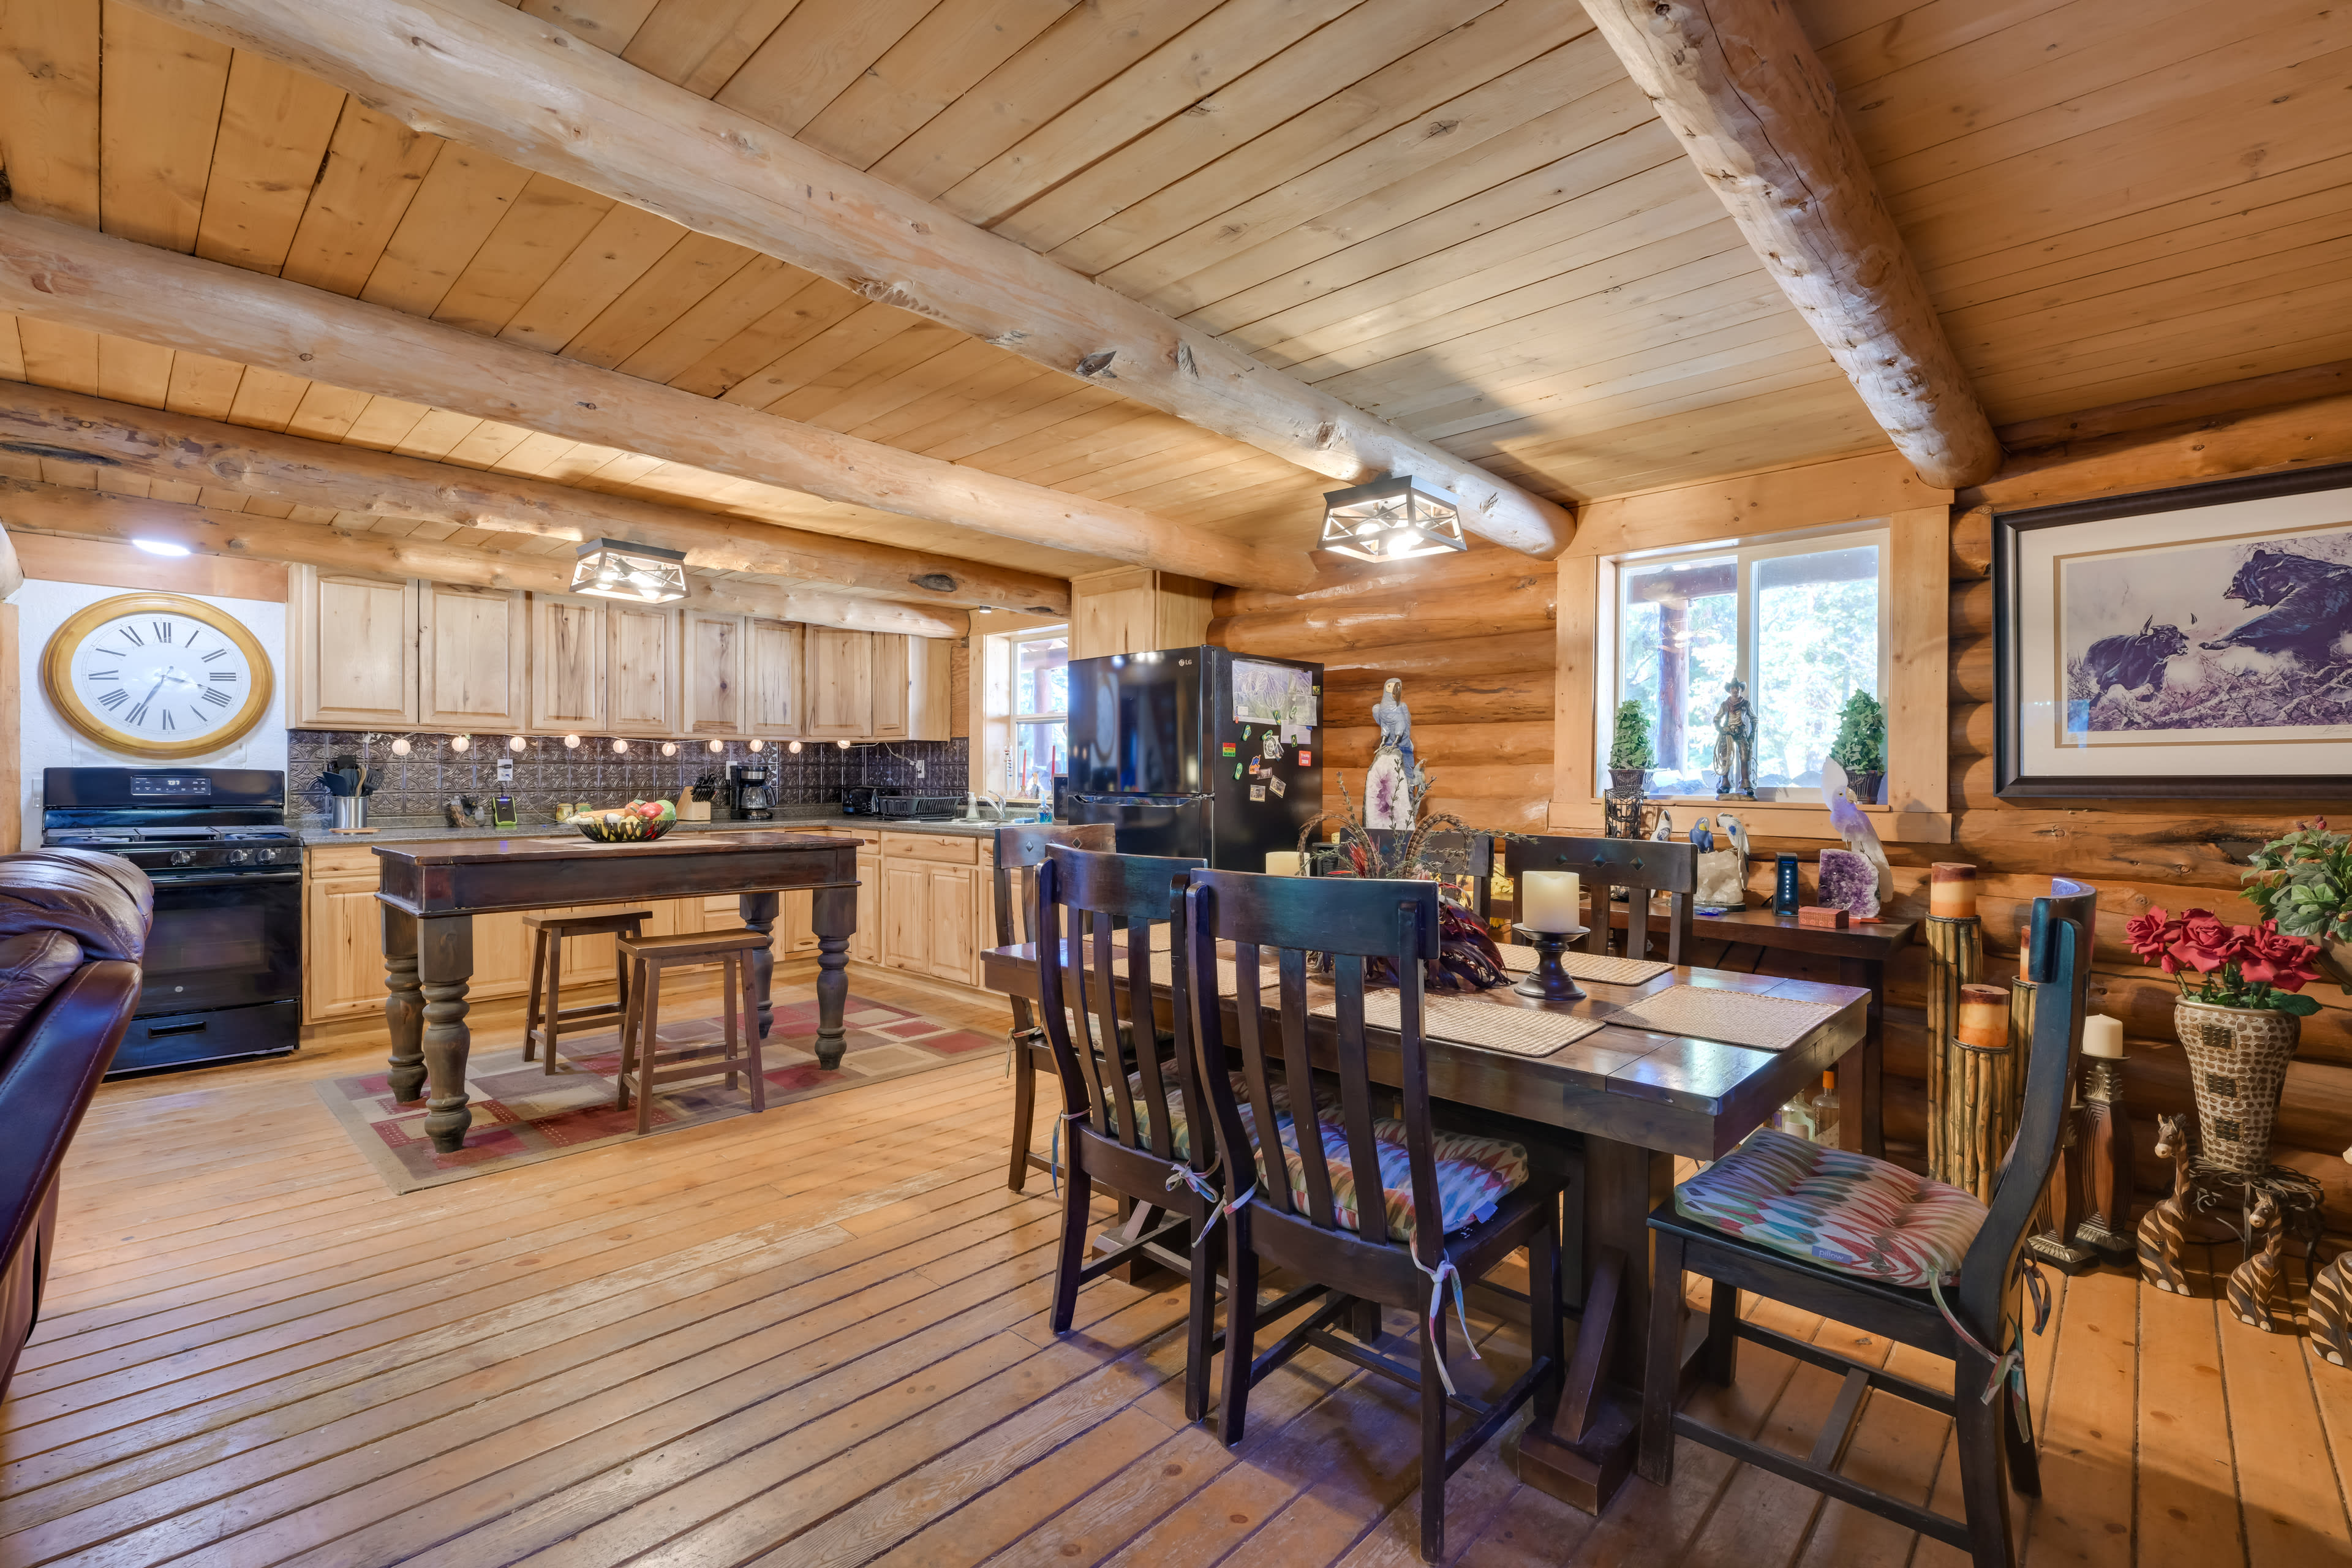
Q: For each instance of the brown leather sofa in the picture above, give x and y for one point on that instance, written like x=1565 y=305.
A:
x=73 y=928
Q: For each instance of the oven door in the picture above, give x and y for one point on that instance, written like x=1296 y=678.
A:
x=223 y=940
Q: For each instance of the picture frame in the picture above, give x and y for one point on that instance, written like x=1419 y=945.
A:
x=2178 y=644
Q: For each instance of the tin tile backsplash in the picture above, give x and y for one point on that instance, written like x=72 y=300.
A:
x=415 y=788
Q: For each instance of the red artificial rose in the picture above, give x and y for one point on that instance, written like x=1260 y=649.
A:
x=2151 y=934
x=2273 y=958
x=2205 y=943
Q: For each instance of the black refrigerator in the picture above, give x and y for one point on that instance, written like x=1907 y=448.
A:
x=1197 y=751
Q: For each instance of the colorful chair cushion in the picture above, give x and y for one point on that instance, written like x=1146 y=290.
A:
x=1473 y=1174
x=1843 y=1211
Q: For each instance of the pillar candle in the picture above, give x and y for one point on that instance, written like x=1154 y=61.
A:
x=1984 y=1018
x=2103 y=1036
x=1550 y=900
x=1285 y=863
x=1952 y=890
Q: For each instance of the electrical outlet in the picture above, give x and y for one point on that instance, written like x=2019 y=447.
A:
x=506 y=770
x=918 y=767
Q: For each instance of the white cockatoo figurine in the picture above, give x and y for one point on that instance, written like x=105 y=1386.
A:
x=1731 y=827
x=1854 y=827
x=1664 y=832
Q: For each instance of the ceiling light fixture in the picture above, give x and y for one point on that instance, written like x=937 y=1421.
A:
x=160 y=547
x=571 y=742
x=843 y=744
x=615 y=569
x=794 y=748
x=620 y=748
x=1391 y=519
x=717 y=746
x=759 y=745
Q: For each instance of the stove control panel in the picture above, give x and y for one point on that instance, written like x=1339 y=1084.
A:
x=171 y=786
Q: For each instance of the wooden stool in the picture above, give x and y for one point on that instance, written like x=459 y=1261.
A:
x=640 y=1027
x=547 y=1020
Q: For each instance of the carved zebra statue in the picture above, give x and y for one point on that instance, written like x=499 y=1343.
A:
x=2331 y=1306
x=2257 y=1287
x=2159 y=1228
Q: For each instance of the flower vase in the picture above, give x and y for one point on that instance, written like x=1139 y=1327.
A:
x=2237 y=1062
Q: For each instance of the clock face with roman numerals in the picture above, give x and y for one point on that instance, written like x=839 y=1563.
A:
x=157 y=675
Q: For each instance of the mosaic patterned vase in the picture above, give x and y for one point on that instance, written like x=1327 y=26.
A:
x=2237 y=1059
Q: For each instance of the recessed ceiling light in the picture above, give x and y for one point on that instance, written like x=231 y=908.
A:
x=162 y=547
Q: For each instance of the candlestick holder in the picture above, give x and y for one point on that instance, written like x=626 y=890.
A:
x=1551 y=981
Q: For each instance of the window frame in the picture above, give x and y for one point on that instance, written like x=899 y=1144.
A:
x=995 y=736
x=1608 y=649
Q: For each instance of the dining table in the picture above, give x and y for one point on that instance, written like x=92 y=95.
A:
x=1634 y=1100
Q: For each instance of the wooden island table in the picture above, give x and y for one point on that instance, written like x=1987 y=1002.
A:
x=1635 y=1099
x=431 y=891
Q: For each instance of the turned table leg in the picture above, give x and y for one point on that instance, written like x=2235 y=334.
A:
x=445 y=962
x=759 y=912
x=404 y=1006
x=834 y=916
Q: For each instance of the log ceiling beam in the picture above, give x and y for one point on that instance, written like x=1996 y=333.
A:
x=69 y=427
x=495 y=78
x=77 y=513
x=60 y=272
x=1737 y=82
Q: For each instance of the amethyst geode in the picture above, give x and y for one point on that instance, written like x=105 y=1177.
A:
x=1849 y=883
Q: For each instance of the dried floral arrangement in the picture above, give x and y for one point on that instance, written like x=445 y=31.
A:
x=1467 y=958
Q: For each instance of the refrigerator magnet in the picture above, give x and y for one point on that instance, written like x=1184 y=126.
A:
x=1257 y=792
x=1272 y=747
x=1276 y=786
x=1230 y=748
x=1306 y=758
x=1254 y=765
x=1237 y=769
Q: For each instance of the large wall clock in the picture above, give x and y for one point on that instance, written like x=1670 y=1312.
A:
x=157 y=675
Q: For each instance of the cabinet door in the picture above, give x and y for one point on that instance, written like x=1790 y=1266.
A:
x=343 y=958
x=906 y=915
x=567 y=664
x=795 y=923
x=890 y=686
x=840 y=684
x=954 y=954
x=712 y=689
x=865 y=943
x=473 y=655
x=641 y=664
x=772 y=678
x=928 y=676
x=352 y=642
x=501 y=958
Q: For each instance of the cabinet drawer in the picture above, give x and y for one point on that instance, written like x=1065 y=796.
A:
x=930 y=847
x=341 y=860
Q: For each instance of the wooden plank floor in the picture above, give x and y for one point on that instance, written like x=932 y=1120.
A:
x=818 y=1336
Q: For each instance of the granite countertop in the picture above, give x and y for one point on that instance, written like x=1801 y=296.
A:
x=411 y=832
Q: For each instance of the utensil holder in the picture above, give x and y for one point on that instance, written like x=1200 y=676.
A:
x=351 y=812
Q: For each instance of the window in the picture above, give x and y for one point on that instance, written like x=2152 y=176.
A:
x=1040 y=710
x=1799 y=622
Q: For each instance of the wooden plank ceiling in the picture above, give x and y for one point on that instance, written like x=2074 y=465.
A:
x=1458 y=214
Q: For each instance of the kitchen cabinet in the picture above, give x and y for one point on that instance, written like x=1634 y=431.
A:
x=1133 y=609
x=953 y=953
x=473 y=658
x=840 y=685
x=567 y=665
x=342 y=948
x=906 y=915
x=711 y=689
x=933 y=891
x=351 y=644
x=641 y=667
x=927 y=688
x=865 y=943
x=772 y=678
x=886 y=685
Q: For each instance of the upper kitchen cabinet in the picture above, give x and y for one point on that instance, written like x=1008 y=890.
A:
x=473 y=651
x=888 y=717
x=641 y=668
x=567 y=664
x=927 y=688
x=772 y=651
x=1133 y=609
x=840 y=684
x=352 y=649
x=713 y=693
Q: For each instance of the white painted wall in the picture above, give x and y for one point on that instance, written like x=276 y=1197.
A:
x=48 y=741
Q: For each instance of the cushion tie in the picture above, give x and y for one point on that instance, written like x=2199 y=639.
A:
x=1185 y=1175
x=1437 y=1279
x=1056 y=1161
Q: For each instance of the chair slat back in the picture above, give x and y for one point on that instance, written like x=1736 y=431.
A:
x=1356 y=922
x=2058 y=961
x=1465 y=855
x=1020 y=850
x=1645 y=867
x=1095 y=910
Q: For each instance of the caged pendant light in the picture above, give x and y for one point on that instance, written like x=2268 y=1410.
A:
x=615 y=569
x=1391 y=519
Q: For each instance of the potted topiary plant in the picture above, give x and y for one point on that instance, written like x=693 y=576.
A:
x=1861 y=747
x=1629 y=750
x=2303 y=881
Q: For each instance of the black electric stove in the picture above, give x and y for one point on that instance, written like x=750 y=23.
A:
x=223 y=977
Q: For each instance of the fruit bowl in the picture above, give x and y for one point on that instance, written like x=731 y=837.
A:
x=624 y=827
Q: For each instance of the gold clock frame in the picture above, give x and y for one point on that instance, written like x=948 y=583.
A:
x=56 y=662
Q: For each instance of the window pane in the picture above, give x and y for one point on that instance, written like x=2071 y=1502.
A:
x=1816 y=643
x=1677 y=644
x=1041 y=675
x=1039 y=752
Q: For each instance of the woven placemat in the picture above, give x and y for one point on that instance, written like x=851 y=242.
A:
x=1459 y=1021
x=1735 y=1017
x=1591 y=966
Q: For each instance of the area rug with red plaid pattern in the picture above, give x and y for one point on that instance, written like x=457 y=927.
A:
x=523 y=1114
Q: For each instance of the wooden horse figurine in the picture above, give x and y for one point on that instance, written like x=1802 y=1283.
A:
x=2257 y=1287
x=2159 y=1228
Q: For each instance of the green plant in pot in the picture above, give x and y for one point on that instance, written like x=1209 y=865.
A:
x=1861 y=747
x=1630 y=758
x=2303 y=880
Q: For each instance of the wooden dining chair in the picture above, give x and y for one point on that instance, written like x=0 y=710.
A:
x=1451 y=1206
x=1869 y=1244
x=1020 y=850
x=1645 y=867
x=1465 y=858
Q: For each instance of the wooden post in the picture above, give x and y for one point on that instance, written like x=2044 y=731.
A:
x=1955 y=959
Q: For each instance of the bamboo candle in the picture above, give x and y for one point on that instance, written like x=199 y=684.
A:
x=1979 y=1112
x=1956 y=959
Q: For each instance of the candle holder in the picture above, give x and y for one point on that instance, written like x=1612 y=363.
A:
x=1551 y=981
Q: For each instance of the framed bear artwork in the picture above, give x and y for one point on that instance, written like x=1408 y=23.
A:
x=2178 y=644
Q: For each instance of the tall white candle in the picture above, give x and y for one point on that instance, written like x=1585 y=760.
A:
x=1285 y=863
x=2103 y=1036
x=1550 y=900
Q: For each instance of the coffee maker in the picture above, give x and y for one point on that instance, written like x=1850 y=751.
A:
x=748 y=797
